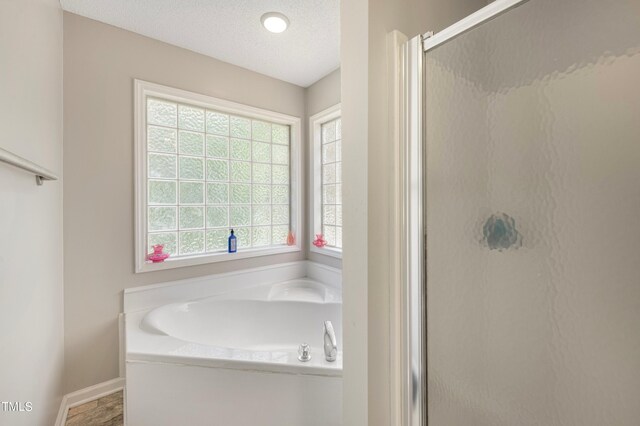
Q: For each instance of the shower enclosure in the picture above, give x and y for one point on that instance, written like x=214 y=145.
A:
x=524 y=305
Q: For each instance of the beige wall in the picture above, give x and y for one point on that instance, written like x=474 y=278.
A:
x=324 y=93
x=321 y=95
x=31 y=286
x=364 y=27
x=100 y=63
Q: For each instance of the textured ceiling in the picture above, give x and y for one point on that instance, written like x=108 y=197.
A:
x=231 y=31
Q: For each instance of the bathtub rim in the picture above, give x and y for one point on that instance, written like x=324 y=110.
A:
x=154 y=295
x=138 y=345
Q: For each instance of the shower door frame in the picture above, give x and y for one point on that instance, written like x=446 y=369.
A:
x=412 y=215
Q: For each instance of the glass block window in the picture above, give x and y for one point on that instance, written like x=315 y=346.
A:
x=209 y=171
x=331 y=177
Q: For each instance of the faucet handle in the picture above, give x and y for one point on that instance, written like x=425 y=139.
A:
x=304 y=352
x=330 y=342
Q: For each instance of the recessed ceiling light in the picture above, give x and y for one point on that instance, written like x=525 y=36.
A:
x=275 y=22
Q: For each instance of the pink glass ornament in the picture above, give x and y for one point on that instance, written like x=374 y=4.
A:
x=158 y=255
x=319 y=241
x=291 y=239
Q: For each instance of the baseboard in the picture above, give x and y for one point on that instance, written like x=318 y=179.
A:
x=87 y=394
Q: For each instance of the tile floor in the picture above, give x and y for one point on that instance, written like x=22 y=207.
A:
x=105 y=411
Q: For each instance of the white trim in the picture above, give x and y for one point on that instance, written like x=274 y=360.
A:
x=315 y=178
x=122 y=346
x=85 y=395
x=142 y=89
x=396 y=42
x=413 y=237
x=217 y=257
x=483 y=15
x=326 y=250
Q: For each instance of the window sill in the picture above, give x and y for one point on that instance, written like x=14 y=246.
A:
x=327 y=251
x=202 y=259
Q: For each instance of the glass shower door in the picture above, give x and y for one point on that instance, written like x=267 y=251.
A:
x=533 y=218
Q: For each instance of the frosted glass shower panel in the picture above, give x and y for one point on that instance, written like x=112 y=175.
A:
x=532 y=213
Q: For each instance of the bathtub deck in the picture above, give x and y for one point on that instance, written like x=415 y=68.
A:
x=105 y=411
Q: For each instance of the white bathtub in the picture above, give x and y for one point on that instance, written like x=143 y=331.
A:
x=232 y=358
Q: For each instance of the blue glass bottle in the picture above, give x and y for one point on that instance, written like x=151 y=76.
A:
x=233 y=243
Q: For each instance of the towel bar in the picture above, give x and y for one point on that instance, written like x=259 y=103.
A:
x=41 y=173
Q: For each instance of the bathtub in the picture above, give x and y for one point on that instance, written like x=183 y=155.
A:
x=232 y=358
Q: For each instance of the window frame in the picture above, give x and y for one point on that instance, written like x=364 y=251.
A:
x=143 y=90
x=315 y=177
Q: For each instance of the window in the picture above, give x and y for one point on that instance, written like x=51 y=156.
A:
x=205 y=166
x=326 y=180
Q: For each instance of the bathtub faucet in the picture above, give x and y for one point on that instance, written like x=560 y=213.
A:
x=330 y=343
